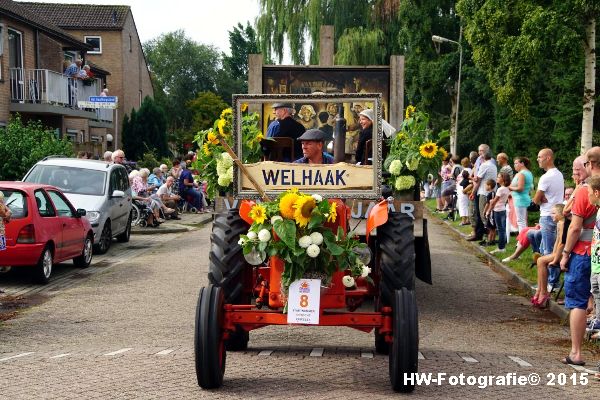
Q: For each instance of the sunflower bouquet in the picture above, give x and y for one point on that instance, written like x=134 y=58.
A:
x=213 y=162
x=414 y=152
x=302 y=240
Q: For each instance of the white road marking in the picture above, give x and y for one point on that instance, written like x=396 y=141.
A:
x=579 y=368
x=265 y=353
x=17 y=356
x=164 y=352
x=317 y=352
x=469 y=359
x=421 y=356
x=114 y=353
x=366 y=354
x=519 y=361
x=61 y=355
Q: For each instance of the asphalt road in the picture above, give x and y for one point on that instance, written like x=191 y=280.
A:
x=124 y=329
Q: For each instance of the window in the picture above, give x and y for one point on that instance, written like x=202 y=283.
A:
x=64 y=210
x=44 y=205
x=71 y=135
x=130 y=44
x=1 y=39
x=95 y=42
x=16 y=202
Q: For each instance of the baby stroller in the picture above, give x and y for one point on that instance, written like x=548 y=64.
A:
x=452 y=206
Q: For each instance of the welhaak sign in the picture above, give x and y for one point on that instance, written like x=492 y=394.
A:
x=308 y=177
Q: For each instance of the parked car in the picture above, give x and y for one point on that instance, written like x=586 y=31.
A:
x=102 y=189
x=44 y=229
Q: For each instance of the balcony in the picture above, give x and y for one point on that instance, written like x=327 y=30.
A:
x=41 y=91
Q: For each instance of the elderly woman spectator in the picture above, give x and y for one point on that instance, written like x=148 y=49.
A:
x=165 y=172
x=142 y=188
x=107 y=156
x=137 y=188
x=155 y=180
x=520 y=186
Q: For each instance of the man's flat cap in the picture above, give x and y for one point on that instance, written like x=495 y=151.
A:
x=283 y=105
x=313 y=134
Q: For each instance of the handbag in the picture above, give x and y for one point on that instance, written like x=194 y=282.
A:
x=533 y=207
x=468 y=189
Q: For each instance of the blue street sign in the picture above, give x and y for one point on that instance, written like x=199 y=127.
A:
x=103 y=99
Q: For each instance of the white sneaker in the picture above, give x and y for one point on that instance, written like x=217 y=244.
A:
x=496 y=250
x=507 y=259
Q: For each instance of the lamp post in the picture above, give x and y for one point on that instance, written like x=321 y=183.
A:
x=439 y=39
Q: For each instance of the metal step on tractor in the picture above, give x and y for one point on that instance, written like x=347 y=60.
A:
x=249 y=278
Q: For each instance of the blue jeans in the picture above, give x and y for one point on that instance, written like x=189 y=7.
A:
x=548 y=234
x=500 y=220
x=535 y=239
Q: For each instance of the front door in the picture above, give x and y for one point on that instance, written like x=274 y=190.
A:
x=15 y=63
x=73 y=237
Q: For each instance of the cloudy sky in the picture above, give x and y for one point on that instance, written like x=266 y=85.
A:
x=204 y=21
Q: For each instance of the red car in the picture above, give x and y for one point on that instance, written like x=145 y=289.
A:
x=45 y=229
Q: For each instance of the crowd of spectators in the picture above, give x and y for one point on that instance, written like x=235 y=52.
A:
x=495 y=198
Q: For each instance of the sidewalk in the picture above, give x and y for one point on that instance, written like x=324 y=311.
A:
x=187 y=222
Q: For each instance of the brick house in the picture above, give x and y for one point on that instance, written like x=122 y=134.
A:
x=32 y=51
x=116 y=48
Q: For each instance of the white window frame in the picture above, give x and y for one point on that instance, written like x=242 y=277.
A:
x=85 y=38
x=2 y=33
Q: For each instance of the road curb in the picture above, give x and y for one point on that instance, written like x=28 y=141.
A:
x=507 y=273
x=172 y=227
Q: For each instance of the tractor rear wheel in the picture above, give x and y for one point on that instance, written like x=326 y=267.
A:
x=397 y=256
x=403 y=357
x=227 y=267
x=209 y=346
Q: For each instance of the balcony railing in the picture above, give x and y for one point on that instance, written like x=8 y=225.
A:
x=43 y=86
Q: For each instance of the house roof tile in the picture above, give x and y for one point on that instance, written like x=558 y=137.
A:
x=81 y=16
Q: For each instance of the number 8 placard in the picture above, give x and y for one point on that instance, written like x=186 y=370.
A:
x=304 y=300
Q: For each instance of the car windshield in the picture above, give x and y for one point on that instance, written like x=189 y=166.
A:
x=69 y=179
x=15 y=200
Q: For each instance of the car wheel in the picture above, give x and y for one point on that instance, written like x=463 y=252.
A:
x=85 y=259
x=43 y=269
x=124 y=237
x=105 y=239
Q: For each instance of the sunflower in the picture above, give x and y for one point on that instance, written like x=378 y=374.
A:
x=206 y=149
x=221 y=125
x=443 y=153
x=303 y=209
x=258 y=214
x=259 y=137
x=410 y=110
x=244 y=107
x=428 y=150
x=226 y=112
x=212 y=137
x=286 y=204
x=332 y=212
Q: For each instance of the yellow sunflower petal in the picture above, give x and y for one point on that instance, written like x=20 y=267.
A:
x=303 y=210
x=428 y=150
x=332 y=212
x=286 y=205
x=258 y=214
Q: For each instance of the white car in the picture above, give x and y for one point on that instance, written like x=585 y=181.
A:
x=100 y=188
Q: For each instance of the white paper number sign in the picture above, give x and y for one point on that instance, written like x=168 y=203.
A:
x=304 y=299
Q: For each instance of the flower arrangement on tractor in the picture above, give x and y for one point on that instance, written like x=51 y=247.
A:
x=414 y=152
x=213 y=162
x=303 y=240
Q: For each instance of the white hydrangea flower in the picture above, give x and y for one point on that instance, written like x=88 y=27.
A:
x=224 y=180
x=229 y=173
x=252 y=235
x=348 y=281
x=365 y=271
x=242 y=241
x=316 y=238
x=318 y=198
x=276 y=218
x=395 y=167
x=227 y=160
x=313 y=250
x=221 y=169
x=304 y=241
x=264 y=235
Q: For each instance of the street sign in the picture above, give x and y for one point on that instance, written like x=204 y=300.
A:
x=104 y=99
x=95 y=104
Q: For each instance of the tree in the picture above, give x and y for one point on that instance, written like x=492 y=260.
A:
x=206 y=108
x=514 y=42
x=145 y=130
x=23 y=145
x=181 y=68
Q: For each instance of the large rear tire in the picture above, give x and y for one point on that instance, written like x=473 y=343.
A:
x=397 y=256
x=209 y=346
x=227 y=267
x=404 y=355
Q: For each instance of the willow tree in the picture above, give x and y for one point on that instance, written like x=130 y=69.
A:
x=364 y=30
x=515 y=42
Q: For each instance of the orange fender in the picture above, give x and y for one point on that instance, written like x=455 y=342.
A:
x=377 y=217
x=245 y=207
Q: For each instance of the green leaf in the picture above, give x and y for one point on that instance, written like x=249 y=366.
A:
x=286 y=230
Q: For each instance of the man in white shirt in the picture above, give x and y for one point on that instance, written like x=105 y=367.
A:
x=165 y=192
x=551 y=189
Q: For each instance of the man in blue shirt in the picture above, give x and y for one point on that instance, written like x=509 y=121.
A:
x=312 y=147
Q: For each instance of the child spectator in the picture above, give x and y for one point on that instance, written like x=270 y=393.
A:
x=490 y=187
x=5 y=214
x=498 y=209
x=542 y=293
x=594 y=195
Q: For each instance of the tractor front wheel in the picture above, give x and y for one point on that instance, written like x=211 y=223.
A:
x=403 y=358
x=209 y=346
